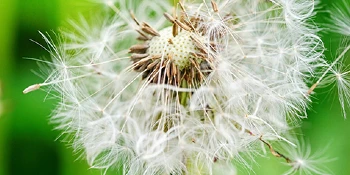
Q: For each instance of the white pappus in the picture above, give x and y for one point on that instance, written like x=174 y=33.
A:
x=186 y=88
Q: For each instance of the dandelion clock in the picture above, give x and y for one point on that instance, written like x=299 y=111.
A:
x=187 y=88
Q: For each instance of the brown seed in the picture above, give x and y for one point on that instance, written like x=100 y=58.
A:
x=182 y=6
x=195 y=64
x=214 y=6
x=144 y=60
x=139 y=55
x=148 y=29
x=142 y=38
x=156 y=73
x=175 y=29
x=143 y=35
x=157 y=56
x=134 y=18
x=189 y=24
x=198 y=70
x=145 y=74
x=144 y=24
x=168 y=69
x=143 y=67
x=182 y=25
x=184 y=13
x=178 y=77
x=200 y=77
x=155 y=62
x=173 y=69
x=207 y=59
x=193 y=74
x=169 y=17
x=139 y=67
x=198 y=55
x=139 y=48
x=155 y=77
x=199 y=44
x=164 y=63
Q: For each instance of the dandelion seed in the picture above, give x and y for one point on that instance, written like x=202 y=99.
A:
x=337 y=73
x=306 y=162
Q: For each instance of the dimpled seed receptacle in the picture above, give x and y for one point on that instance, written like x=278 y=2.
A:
x=179 y=47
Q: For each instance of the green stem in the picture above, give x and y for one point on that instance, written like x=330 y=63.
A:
x=175 y=2
x=184 y=95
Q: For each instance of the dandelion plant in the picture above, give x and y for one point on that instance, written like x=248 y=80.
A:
x=187 y=88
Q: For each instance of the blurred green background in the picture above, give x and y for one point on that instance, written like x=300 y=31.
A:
x=28 y=142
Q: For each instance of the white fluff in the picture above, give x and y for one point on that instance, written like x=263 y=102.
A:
x=258 y=87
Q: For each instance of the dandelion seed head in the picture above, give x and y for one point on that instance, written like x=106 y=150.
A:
x=186 y=92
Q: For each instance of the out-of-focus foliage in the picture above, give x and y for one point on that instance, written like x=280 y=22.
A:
x=28 y=143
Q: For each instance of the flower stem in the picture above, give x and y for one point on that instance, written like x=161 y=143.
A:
x=184 y=95
x=175 y=2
